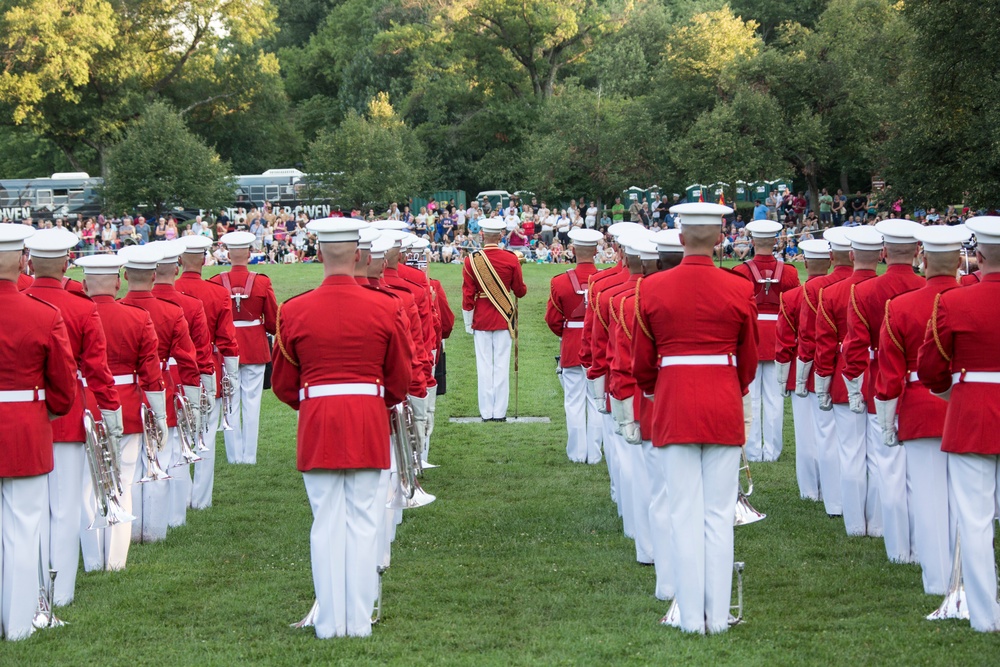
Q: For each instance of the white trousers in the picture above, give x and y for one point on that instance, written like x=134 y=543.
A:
x=204 y=471
x=61 y=534
x=806 y=461
x=24 y=511
x=973 y=491
x=702 y=481
x=659 y=519
x=611 y=454
x=241 y=442
x=827 y=456
x=768 y=408
x=583 y=426
x=431 y=413
x=493 y=371
x=179 y=484
x=636 y=486
x=342 y=547
x=858 y=475
x=107 y=548
x=933 y=526
x=150 y=501
x=892 y=494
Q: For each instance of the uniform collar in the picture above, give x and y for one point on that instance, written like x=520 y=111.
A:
x=697 y=260
x=239 y=269
x=361 y=280
x=864 y=273
x=47 y=282
x=162 y=288
x=339 y=280
x=140 y=295
x=102 y=298
x=842 y=270
x=391 y=272
x=990 y=277
x=490 y=245
x=942 y=281
x=764 y=259
x=190 y=275
x=899 y=268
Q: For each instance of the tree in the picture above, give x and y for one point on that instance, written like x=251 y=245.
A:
x=161 y=164
x=374 y=158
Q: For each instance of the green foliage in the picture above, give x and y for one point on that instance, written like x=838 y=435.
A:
x=161 y=164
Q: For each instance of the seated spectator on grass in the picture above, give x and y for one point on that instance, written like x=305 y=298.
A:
x=741 y=245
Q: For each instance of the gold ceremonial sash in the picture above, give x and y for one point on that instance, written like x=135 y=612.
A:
x=493 y=287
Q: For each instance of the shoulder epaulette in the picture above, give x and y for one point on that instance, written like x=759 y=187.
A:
x=40 y=300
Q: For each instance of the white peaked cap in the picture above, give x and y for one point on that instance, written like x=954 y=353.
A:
x=895 y=230
x=837 y=236
x=986 y=228
x=815 y=249
x=196 y=243
x=701 y=213
x=51 y=243
x=632 y=240
x=493 y=225
x=408 y=240
x=646 y=247
x=381 y=245
x=366 y=236
x=420 y=244
x=12 y=236
x=140 y=257
x=237 y=240
x=389 y=224
x=668 y=240
x=394 y=235
x=336 y=230
x=619 y=228
x=585 y=237
x=100 y=265
x=764 y=229
x=171 y=251
x=865 y=238
x=942 y=238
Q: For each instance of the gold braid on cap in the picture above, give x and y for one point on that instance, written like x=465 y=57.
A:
x=857 y=311
x=934 y=329
x=888 y=329
x=281 y=344
x=621 y=318
x=826 y=315
x=784 y=313
x=638 y=315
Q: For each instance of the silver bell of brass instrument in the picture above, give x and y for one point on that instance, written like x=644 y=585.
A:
x=953 y=605
x=152 y=440
x=228 y=391
x=44 y=616
x=745 y=512
x=206 y=411
x=105 y=472
x=187 y=427
x=673 y=615
x=406 y=447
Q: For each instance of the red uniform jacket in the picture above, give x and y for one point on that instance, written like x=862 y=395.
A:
x=23 y=281
x=696 y=308
x=35 y=353
x=194 y=315
x=596 y=281
x=419 y=278
x=600 y=337
x=218 y=315
x=566 y=305
x=902 y=333
x=810 y=308
x=485 y=317
x=421 y=324
x=786 y=333
x=419 y=365
x=132 y=350
x=831 y=329
x=962 y=337
x=447 y=315
x=973 y=278
x=864 y=320
x=173 y=342
x=622 y=382
x=86 y=339
x=341 y=333
x=768 y=300
x=261 y=306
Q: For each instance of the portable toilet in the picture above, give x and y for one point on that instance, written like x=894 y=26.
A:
x=694 y=192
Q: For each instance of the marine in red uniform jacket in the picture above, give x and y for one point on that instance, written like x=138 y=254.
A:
x=35 y=354
x=318 y=345
x=132 y=350
x=420 y=365
x=447 y=315
x=24 y=282
x=831 y=328
x=973 y=278
x=261 y=305
x=808 y=312
x=86 y=339
x=696 y=404
x=786 y=330
x=565 y=305
x=484 y=316
x=218 y=316
x=902 y=333
x=864 y=321
x=605 y=277
x=768 y=297
x=600 y=342
x=961 y=339
x=424 y=336
x=194 y=315
x=622 y=384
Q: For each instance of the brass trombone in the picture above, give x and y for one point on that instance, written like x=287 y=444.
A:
x=187 y=427
x=105 y=471
x=152 y=444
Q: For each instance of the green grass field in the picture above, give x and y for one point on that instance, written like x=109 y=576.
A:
x=521 y=560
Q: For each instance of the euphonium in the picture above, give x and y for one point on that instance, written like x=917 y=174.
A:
x=228 y=390
x=106 y=474
x=745 y=512
x=187 y=427
x=152 y=441
x=406 y=448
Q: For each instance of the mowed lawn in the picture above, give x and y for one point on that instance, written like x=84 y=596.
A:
x=520 y=561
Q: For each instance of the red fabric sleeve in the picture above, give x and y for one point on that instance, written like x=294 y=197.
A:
x=825 y=354
x=94 y=363
x=933 y=360
x=150 y=371
x=891 y=362
x=60 y=369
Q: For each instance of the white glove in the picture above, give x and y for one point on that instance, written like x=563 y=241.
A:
x=419 y=407
x=747 y=415
x=886 y=413
x=944 y=395
x=467 y=317
x=648 y=397
x=113 y=425
x=231 y=366
x=823 y=392
x=802 y=371
x=208 y=384
x=617 y=414
x=596 y=389
x=193 y=395
x=783 y=369
x=158 y=404
x=854 y=395
x=630 y=427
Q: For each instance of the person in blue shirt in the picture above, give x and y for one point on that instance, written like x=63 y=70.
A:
x=760 y=211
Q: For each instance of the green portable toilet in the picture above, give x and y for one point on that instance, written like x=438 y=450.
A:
x=633 y=194
x=694 y=192
x=759 y=190
x=717 y=190
x=743 y=191
x=653 y=194
x=781 y=185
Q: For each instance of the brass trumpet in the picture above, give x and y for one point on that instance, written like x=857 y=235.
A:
x=206 y=411
x=228 y=390
x=745 y=512
x=44 y=615
x=153 y=443
x=673 y=615
x=105 y=470
x=187 y=426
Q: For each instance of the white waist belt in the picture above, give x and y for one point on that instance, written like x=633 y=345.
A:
x=169 y=362
x=118 y=379
x=697 y=360
x=573 y=325
x=767 y=317
x=871 y=354
x=239 y=324
x=913 y=377
x=343 y=389
x=22 y=396
x=984 y=377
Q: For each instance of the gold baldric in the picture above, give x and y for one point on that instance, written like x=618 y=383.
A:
x=493 y=287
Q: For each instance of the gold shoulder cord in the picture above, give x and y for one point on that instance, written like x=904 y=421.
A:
x=888 y=329
x=597 y=311
x=555 y=305
x=784 y=313
x=638 y=315
x=857 y=311
x=281 y=344
x=826 y=316
x=611 y=310
x=934 y=329
x=805 y=295
x=621 y=319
